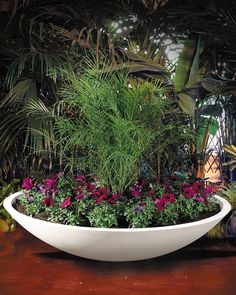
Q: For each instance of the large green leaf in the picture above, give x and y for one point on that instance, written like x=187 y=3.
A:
x=184 y=65
x=194 y=76
x=187 y=103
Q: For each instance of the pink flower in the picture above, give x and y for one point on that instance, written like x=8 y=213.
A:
x=27 y=184
x=160 y=204
x=50 y=182
x=66 y=202
x=80 y=178
x=113 y=199
x=188 y=192
x=115 y=196
x=90 y=187
x=136 y=191
x=169 y=198
x=198 y=185
x=100 y=194
x=199 y=199
x=101 y=198
x=208 y=190
x=80 y=196
x=48 y=201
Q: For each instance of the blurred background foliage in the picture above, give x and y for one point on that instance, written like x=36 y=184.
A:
x=189 y=46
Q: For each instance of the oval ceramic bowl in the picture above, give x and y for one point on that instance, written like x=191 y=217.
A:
x=125 y=244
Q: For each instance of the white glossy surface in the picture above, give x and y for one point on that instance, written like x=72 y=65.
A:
x=116 y=244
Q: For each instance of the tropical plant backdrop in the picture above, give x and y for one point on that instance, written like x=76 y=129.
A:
x=186 y=46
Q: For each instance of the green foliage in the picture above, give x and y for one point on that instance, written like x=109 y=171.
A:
x=140 y=214
x=188 y=209
x=231 y=150
x=103 y=216
x=115 y=123
x=7 y=224
x=229 y=193
x=7 y=189
x=217 y=232
x=37 y=37
x=84 y=202
x=34 y=205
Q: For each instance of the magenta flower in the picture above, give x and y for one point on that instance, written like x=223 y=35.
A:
x=50 y=182
x=80 y=178
x=100 y=194
x=66 y=202
x=90 y=187
x=136 y=191
x=208 y=190
x=160 y=204
x=115 y=196
x=48 y=201
x=80 y=196
x=199 y=199
x=197 y=186
x=169 y=198
x=101 y=198
x=27 y=183
x=188 y=192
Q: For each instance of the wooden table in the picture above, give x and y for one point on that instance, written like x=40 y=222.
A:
x=29 y=266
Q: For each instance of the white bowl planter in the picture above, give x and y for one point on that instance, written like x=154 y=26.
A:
x=116 y=244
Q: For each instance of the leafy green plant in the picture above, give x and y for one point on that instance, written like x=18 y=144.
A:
x=229 y=193
x=115 y=123
x=231 y=150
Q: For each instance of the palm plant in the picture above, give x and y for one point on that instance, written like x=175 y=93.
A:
x=231 y=150
x=112 y=123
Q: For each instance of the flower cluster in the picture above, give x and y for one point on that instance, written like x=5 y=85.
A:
x=82 y=200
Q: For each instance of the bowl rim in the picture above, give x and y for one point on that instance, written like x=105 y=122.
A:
x=224 y=204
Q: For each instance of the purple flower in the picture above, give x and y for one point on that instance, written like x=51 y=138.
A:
x=139 y=209
x=27 y=183
x=66 y=202
x=30 y=199
x=136 y=191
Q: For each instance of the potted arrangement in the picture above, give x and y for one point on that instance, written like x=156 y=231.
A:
x=132 y=197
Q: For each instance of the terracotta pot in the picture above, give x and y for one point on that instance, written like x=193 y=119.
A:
x=124 y=244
